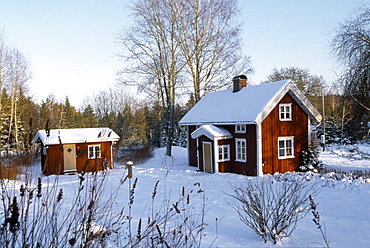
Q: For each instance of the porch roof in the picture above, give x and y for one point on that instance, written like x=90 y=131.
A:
x=212 y=132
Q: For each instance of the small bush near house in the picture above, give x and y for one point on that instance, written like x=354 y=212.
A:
x=272 y=208
x=311 y=160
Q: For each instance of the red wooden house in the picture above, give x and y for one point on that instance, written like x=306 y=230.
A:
x=76 y=150
x=252 y=130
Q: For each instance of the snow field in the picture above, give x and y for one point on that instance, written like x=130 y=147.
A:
x=344 y=206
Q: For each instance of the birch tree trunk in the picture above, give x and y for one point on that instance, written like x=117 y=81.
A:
x=154 y=55
x=18 y=74
x=2 y=70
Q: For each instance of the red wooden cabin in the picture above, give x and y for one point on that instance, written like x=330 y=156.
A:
x=76 y=150
x=252 y=130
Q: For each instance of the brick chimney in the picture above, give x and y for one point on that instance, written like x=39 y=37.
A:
x=239 y=82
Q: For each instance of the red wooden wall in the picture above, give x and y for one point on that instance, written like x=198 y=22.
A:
x=272 y=128
x=53 y=161
x=248 y=168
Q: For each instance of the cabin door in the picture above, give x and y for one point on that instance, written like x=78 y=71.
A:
x=207 y=156
x=69 y=154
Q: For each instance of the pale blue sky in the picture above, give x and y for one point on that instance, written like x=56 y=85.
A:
x=70 y=43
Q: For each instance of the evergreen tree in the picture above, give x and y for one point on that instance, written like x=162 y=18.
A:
x=123 y=125
x=155 y=129
x=4 y=120
x=50 y=111
x=69 y=115
x=88 y=117
x=311 y=160
x=140 y=123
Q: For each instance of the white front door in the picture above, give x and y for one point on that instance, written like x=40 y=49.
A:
x=69 y=155
x=207 y=156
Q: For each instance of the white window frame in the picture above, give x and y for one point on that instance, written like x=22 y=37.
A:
x=241 y=152
x=93 y=154
x=223 y=153
x=240 y=128
x=285 y=112
x=287 y=148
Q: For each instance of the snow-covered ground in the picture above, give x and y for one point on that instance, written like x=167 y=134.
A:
x=344 y=206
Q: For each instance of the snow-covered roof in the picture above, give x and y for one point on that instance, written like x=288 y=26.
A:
x=75 y=135
x=211 y=132
x=250 y=105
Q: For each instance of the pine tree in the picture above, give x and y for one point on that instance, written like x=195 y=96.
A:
x=69 y=115
x=88 y=117
x=311 y=160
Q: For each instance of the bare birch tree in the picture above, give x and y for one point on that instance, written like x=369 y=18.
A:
x=351 y=47
x=3 y=51
x=180 y=41
x=211 y=44
x=17 y=73
x=154 y=55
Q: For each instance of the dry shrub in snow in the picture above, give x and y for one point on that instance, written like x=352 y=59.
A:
x=173 y=223
x=272 y=208
x=35 y=213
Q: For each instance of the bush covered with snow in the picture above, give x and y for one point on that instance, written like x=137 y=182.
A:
x=311 y=160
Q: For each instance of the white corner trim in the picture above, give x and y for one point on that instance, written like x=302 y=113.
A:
x=215 y=158
x=259 y=150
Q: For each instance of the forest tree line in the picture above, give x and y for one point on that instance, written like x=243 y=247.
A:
x=177 y=52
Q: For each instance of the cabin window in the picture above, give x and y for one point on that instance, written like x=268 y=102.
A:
x=240 y=128
x=223 y=153
x=286 y=147
x=94 y=151
x=241 y=150
x=285 y=112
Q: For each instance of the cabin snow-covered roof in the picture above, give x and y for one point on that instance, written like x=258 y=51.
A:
x=250 y=105
x=75 y=135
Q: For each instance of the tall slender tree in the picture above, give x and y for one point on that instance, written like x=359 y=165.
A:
x=211 y=43
x=175 y=42
x=154 y=55
x=17 y=74
x=351 y=47
x=3 y=51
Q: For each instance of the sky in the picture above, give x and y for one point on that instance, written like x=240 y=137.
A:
x=70 y=43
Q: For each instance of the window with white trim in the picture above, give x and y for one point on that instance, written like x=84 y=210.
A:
x=286 y=147
x=240 y=128
x=241 y=150
x=223 y=153
x=94 y=151
x=285 y=112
